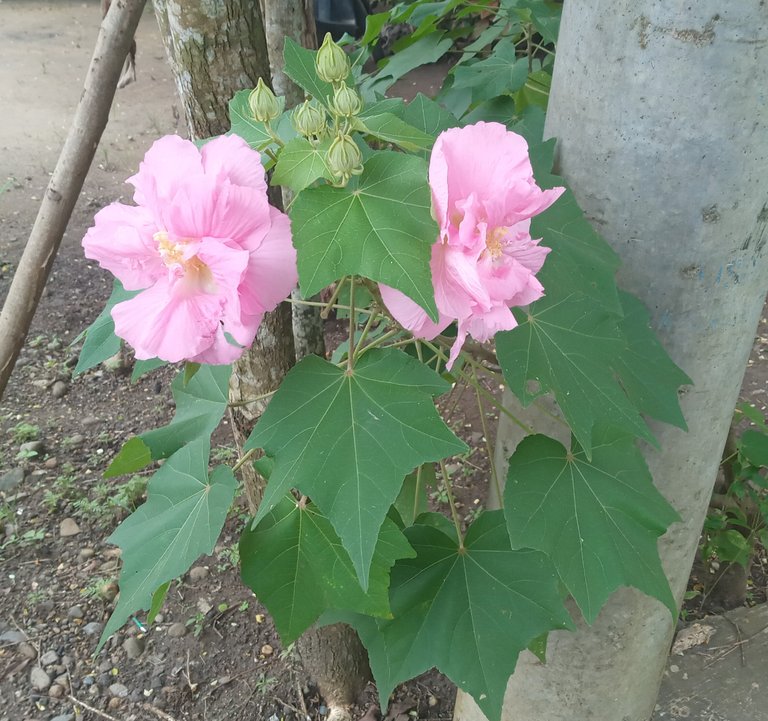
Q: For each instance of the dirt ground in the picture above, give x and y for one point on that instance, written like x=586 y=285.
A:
x=213 y=653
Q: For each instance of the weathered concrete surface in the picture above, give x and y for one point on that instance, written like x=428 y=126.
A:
x=725 y=679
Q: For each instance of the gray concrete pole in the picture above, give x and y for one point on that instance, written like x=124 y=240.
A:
x=660 y=108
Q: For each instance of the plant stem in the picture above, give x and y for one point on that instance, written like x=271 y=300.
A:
x=238 y=404
x=242 y=461
x=378 y=341
x=352 y=326
x=366 y=330
x=327 y=309
x=452 y=504
x=334 y=306
x=488 y=447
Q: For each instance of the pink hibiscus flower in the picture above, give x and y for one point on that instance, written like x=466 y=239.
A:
x=204 y=246
x=484 y=260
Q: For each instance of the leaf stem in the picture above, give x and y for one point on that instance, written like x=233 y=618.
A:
x=238 y=404
x=366 y=330
x=488 y=446
x=327 y=309
x=452 y=504
x=352 y=326
x=242 y=461
x=378 y=341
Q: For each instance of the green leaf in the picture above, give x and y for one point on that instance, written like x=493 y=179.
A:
x=379 y=226
x=569 y=347
x=373 y=27
x=300 y=67
x=754 y=447
x=301 y=163
x=598 y=520
x=501 y=73
x=294 y=562
x=200 y=406
x=647 y=374
x=538 y=647
x=347 y=440
x=428 y=49
x=181 y=520
x=412 y=500
x=142 y=367
x=158 y=599
x=469 y=612
x=101 y=342
x=428 y=116
x=391 y=129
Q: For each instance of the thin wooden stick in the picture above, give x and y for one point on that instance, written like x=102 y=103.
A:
x=112 y=46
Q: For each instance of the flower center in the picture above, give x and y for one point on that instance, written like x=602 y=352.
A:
x=197 y=275
x=495 y=241
x=171 y=253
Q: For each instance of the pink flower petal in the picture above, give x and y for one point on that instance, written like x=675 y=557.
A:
x=121 y=241
x=411 y=315
x=229 y=157
x=222 y=352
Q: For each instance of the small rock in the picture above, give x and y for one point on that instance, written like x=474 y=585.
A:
x=198 y=573
x=11 y=479
x=13 y=636
x=118 y=690
x=177 y=630
x=133 y=647
x=114 y=703
x=75 y=612
x=49 y=658
x=62 y=681
x=115 y=363
x=59 y=389
x=68 y=527
x=432 y=701
x=93 y=628
x=27 y=650
x=260 y=618
x=90 y=421
x=39 y=679
x=51 y=462
x=159 y=618
x=76 y=440
x=64 y=717
x=32 y=447
x=55 y=691
x=85 y=553
x=267 y=650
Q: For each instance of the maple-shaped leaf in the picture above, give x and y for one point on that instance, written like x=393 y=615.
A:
x=180 y=521
x=599 y=520
x=295 y=563
x=379 y=226
x=570 y=347
x=647 y=373
x=347 y=440
x=468 y=611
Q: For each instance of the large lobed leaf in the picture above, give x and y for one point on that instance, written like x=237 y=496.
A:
x=347 y=440
x=468 y=611
x=379 y=226
x=599 y=520
x=295 y=563
x=300 y=67
x=201 y=403
x=181 y=520
x=301 y=163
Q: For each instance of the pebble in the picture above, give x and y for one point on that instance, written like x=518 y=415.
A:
x=432 y=702
x=55 y=691
x=198 y=573
x=75 y=612
x=267 y=650
x=64 y=717
x=36 y=447
x=90 y=421
x=177 y=630
x=133 y=647
x=108 y=591
x=39 y=679
x=85 y=553
x=118 y=690
x=114 y=703
x=49 y=658
x=51 y=462
x=68 y=527
x=11 y=479
x=93 y=628
x=13 y=636
x=27 y=650
x=76 y=440
x=59 y=389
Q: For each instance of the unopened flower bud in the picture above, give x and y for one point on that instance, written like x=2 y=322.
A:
x=308 y=119
x=346 y=101
x=332 y=64
x=263 y=103
x=344 y=158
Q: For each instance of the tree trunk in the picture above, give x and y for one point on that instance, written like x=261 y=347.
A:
x=216 y=49
x=297 y=21
x=663 y=131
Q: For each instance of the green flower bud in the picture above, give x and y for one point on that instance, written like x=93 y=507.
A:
x=344 y=158
x=346 y=101
x=331 y=63
x=308 y=119
x=263 y=103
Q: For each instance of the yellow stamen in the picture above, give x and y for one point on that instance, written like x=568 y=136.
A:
x=494 y=241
